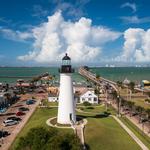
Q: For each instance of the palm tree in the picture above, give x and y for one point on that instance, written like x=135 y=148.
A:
x=119 y=84
x=97 y=76
x=140 y=111
x=130 y=106
x=131 y=86
x=7 y=99
x=148 y=117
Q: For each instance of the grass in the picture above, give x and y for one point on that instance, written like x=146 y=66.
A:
x=100 y=133
x=144 y=138
x=106 y=134
x=38 y=119
x=140 y=102
x=46 y=103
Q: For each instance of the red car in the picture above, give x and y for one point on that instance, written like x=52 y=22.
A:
x=20 y=113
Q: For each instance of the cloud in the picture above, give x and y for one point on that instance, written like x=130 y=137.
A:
x=136 y=46
x=38 y=11
x=130 y=5
x=80 y=39
x=4 y=20
x=135 y=19
x=75 y=9
x=15 y=35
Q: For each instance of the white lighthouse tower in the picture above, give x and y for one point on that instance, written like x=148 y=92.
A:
x=66 y=107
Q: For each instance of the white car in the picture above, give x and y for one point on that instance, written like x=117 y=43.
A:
x=10 y=122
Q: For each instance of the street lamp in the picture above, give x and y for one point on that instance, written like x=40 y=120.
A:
x=118 y=105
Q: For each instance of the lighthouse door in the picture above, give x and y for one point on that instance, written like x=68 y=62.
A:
x=70 y=116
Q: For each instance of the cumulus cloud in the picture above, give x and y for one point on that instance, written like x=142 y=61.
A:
x=136 y=46
x=130 y=5
x=15 y=35
x=82 y=41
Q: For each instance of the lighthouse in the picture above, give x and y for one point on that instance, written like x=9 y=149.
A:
x=66 y=106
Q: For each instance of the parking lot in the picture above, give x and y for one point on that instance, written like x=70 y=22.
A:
x=15 y=129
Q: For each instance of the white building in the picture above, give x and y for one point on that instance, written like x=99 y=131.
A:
x=89 y=96
x=52 y=97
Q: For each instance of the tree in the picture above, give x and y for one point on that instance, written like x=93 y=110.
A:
x=64 y=142
x=7 y=99
x=48 y=139
x=148 y=117
x=130 y=106
x=119 y=84
x=97 y=76
x=140 y=111
x=131 y=86
x=114 y=94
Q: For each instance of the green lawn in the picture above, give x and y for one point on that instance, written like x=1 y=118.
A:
x=106 y=134
x=100 y=133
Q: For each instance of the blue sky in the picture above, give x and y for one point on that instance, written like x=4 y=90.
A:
x=93 y=32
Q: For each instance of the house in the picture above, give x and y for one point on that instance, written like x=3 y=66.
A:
x=88 y=96
x=52 y=94
x=52 y=97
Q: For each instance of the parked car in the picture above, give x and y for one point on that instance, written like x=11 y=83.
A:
x=4 y=133
x=134 y=113
x=30 y=101
x=143 y=120
x=23 y=109
x=20 y=113
x=14 y=118
x=2 y=110
x=10 y=122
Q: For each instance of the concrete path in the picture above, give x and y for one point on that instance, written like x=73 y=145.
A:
x=134 y=137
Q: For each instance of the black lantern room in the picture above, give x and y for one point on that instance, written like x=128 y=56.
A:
x=66 y=65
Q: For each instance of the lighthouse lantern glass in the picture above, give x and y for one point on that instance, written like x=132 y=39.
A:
x=66 y=62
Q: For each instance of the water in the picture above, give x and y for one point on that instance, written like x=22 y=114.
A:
x=120 y=73
x=115 y=74
x=31 y=72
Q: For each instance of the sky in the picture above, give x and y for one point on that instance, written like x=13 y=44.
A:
x=92 y=32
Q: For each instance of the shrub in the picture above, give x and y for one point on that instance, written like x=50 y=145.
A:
x=147 y=100
x=87 y=104
x=90 y=107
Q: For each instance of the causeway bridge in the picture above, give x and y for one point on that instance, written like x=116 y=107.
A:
x=89 y=75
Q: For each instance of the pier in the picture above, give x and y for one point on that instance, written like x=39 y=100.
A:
x=16 y=77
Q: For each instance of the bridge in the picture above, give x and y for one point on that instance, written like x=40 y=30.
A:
x=89 y=75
